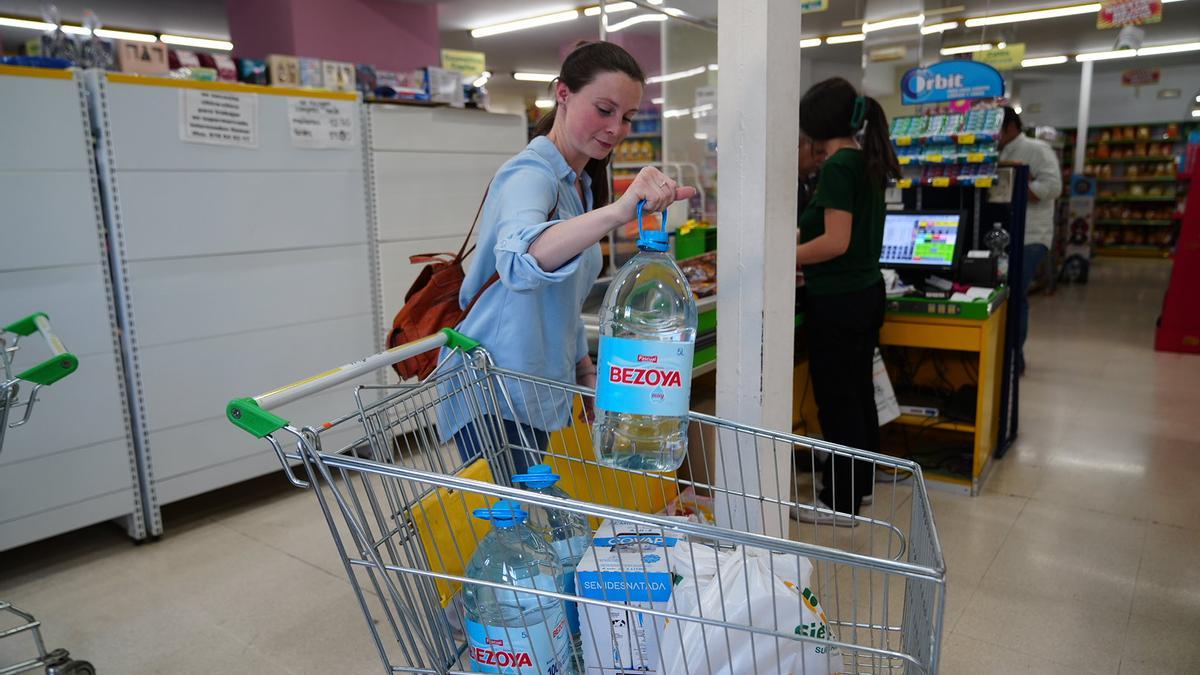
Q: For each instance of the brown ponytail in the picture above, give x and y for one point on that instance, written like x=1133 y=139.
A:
x=581 y=66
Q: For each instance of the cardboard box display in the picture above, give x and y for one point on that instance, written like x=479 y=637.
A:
x=143 y=58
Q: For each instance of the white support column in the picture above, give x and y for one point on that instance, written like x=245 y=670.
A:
x=1081 y=125
x=758 y=96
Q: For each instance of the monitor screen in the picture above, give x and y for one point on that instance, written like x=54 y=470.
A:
x=920 y=239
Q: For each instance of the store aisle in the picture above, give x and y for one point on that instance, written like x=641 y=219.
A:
x=1081 y=556
x=1084 y=551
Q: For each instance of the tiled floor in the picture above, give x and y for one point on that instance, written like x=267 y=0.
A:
x=1081 y=556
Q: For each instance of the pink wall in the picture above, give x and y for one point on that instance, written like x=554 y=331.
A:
x=385 y=33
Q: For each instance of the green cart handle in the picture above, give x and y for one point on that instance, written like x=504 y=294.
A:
x=252 y=414
x=61 y=362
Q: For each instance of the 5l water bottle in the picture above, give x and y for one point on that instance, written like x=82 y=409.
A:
x=644 y=368
x=568 y=534
x=508 y=631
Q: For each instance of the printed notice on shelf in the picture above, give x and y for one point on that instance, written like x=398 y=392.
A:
x=322 y=123
x=218 y=118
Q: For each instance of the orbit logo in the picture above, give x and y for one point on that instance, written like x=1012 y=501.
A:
x=919 y=83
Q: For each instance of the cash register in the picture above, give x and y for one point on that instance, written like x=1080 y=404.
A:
x=925 y=248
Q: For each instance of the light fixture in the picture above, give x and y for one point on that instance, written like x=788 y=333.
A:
x=966 y=49
x=659 y=2
x=807 y=43
x=633 y=21
x=126 y=35
x=202 y=43
x=1043 y=61
x=670 y=77
x=938 y=27
x=1018 y=109
x=680 y=112
x=1036 y=15
x=872 y=26
x=657 y=100
x=699 y=136
x=1198 y=99
x=522 y=24
x=611 y=8
x=1106 y=56
x=482 y=79
x=1001 y=45
x=1169 y=49
x=1196 y=113
x=544 y=103
x=713 y=66
x=24 y=23
x=843 y=39
x=535 y=77
x=74 y=30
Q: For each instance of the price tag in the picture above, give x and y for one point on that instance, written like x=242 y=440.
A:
x=904 y=161
x=975 y=157
x=941 y=181
x=905 y=183
x=966 y=139
x=903 y=141
x=983 y=181
x=934 y=158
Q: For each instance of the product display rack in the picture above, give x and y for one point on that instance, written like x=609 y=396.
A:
x=1140 y=189
x=948 y=149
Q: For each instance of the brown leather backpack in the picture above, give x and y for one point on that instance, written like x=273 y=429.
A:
x=431 y=303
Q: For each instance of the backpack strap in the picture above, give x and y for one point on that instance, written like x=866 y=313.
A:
x=462 y=250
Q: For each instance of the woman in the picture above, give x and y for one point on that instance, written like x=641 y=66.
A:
x=841 y=235
x=545 y=212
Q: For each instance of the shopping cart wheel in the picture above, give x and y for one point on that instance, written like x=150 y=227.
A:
x=71 y=667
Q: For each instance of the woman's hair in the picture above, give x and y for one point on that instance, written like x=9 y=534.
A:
x=581 y=66
x=834 y=109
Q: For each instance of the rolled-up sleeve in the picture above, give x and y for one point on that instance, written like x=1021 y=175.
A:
x=526 y=198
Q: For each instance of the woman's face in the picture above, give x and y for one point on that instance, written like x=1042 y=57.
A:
x=811 y=155
x=598 y=116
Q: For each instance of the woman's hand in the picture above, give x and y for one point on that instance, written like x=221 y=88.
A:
x=658 y=191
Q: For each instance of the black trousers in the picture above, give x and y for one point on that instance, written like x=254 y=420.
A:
x=843 y=332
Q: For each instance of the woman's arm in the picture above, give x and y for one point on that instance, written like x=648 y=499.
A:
x=561 y=242
x=829 y=245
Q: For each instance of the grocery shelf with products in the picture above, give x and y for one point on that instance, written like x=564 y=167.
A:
x=948 y=149
x=1140 y=188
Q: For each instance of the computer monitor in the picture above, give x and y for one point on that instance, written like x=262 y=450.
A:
x=924 y=240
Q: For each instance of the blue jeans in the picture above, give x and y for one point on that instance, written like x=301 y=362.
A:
x=1034 y=255
x=523 y=449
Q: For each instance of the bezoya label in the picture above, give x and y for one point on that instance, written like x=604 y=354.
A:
x=541 y=648
x=644 y=377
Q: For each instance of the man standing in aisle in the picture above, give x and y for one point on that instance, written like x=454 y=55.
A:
x=1045 y=184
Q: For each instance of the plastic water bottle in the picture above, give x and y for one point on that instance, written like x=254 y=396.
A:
x=509 y=631
x=644 y=369
x=568 y=534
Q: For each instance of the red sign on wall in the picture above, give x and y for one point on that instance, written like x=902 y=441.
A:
x=1116 y=13
x=1138 y=77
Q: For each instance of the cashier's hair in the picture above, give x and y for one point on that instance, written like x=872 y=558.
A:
x=581 y=66
x=827 y=111
x=1011 y=117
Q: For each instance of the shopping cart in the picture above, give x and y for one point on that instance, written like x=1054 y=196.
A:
x=397 y=499
x=60 y=364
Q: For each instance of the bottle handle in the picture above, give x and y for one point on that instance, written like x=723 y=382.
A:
x=662 y=219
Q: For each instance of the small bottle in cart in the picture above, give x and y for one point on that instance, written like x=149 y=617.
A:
x=568 y=534
x=509 y=631
x=647 y=339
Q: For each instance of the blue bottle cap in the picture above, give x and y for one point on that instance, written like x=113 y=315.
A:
x=538 y=476
x=652 y=240
x=504 y=513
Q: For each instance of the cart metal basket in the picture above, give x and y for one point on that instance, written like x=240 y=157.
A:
x=398 y=499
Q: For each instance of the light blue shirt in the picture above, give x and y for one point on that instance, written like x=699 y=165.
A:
x=528 y=321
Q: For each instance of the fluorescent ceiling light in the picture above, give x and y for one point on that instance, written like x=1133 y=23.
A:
x=75 y=30
x=126 y=35
x=659 y=2
x=807 y=43
x=670 y=77
x=544 y=103
x=482 y=79
x=938 y=27
x=522 y=24
x=1044 y=61
x=535 y=77
x=713 y=66
x=1036 y=15
x=22 y=23
x=699 y=136
x=1198 y=99
x=966 y=49
x=872 y=26
x=1169 y=49
x=843 y=39
x=1001 y=45
x=1106 y=56
x=633 y=21
x=657 y=101
x=1018 y=109
x=1196 y=113
x=611 y=8
x=202 y=43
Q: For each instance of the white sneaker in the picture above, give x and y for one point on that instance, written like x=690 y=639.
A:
x=823 y=517
x=867 y=500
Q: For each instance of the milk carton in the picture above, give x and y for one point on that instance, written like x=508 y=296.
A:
x=636 y=566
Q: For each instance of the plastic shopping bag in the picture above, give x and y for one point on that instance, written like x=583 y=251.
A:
x=748 y=587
